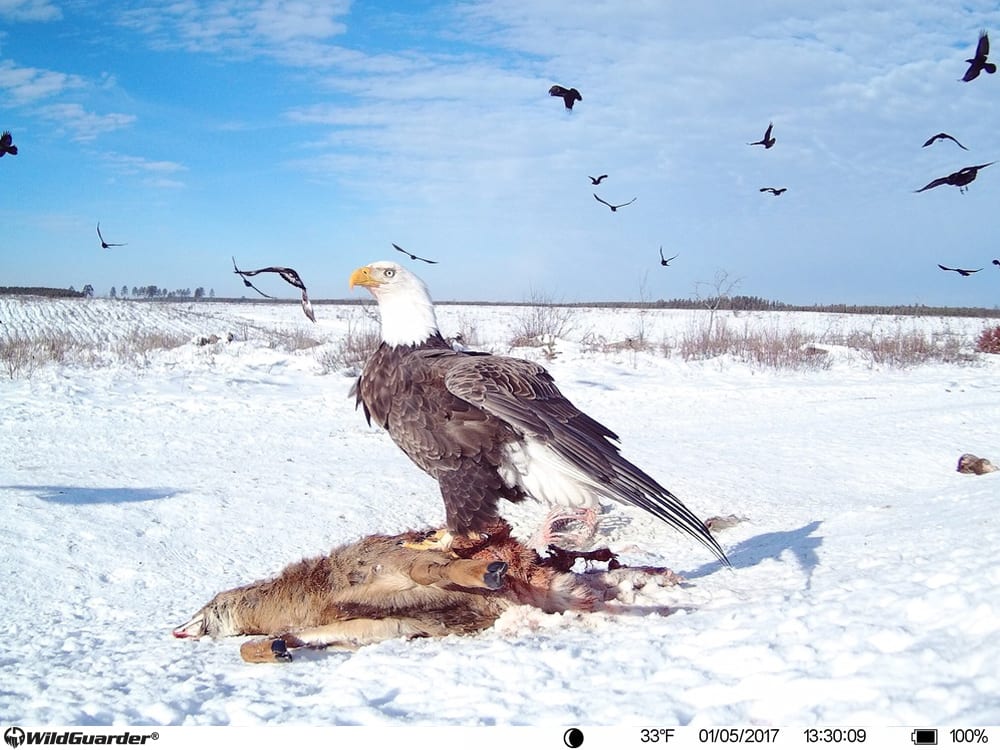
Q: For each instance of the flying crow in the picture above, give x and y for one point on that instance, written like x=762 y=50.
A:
x=767 y=141
x=665 y=261
x=569 y=96
x=612 y=207
x=412 y=256
x=7 y=144
x=960 y=271
x=773 y=191
x=942 y=136
x=106 y=245
x=289 y=275
x=959 y=179
x=978 y=63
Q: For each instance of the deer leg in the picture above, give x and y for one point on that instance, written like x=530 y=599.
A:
x=479 y=574
x=266 y=651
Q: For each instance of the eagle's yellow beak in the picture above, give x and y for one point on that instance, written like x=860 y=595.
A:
x=362 y=277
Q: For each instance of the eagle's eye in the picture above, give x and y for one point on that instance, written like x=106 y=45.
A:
x=389 y=273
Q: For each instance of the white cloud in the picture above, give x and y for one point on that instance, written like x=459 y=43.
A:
x=82 y=124
x=294 y=32
x=22 y=85
x=29 y=10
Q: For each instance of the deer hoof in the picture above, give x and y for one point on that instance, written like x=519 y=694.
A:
x=495 y=573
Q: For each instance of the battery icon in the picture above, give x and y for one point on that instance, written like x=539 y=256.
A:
x=924 y=736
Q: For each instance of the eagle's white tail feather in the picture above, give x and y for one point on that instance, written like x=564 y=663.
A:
x=546 y=476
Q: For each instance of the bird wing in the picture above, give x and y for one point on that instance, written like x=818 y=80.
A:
x=933 y=184
x=983 y=47
x=602 y=200
x=6 y=139
x=524 y=396
x=767 y=133
x=952 y=138
x=99 y=231
x=626 y=204
x=945 y=268
x=246 y=281
x=290 y=275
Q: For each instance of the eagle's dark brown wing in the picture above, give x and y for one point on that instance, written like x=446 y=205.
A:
x=450 y=438
x=523 y=395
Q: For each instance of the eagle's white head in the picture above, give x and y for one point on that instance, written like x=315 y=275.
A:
x=404 y=304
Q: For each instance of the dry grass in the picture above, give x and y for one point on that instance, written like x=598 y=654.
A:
x=22 y=356
x=770 y=348
x=350 y=353
x=907 y=348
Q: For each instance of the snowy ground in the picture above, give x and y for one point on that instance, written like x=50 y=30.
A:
x=865 y=581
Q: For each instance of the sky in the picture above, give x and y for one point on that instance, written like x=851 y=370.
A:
x=316 y=134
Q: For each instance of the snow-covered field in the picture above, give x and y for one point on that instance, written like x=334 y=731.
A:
x=866 y=579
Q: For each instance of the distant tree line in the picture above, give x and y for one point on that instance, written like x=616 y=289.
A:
x=152 y=291
x=40 y=291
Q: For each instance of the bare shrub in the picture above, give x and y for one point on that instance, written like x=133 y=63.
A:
x=291 y=339
x=466 y=332
x=783 y=350
x=540 y=322
x=908 y=348
x=706 y=342
x=989 y=340
x=352 y=351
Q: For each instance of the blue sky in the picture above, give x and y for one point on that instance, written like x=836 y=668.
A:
x=314 y=134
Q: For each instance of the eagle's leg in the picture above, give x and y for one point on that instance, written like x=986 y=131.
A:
x=560 y=527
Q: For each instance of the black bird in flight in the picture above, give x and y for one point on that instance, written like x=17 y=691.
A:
x=996 y=261
x=960 y=271
x=942 y=136
x=7 y=144
x=288 y=274
x=959 y=179
x=979 y=63
x=106 y=245
x=569 y=96
x=412 y=256
x=767 y=141
x=612 y=207
x=773 y=191
x=597 y=180
x=665 y=261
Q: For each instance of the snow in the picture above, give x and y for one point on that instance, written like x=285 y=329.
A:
x=866 y=571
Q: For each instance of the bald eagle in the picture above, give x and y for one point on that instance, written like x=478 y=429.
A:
x=488 y=427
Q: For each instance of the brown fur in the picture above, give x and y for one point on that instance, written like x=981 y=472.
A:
x=377 y=588
x=969 y=463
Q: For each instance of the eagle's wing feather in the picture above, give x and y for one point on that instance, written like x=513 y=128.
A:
x=524 y=395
